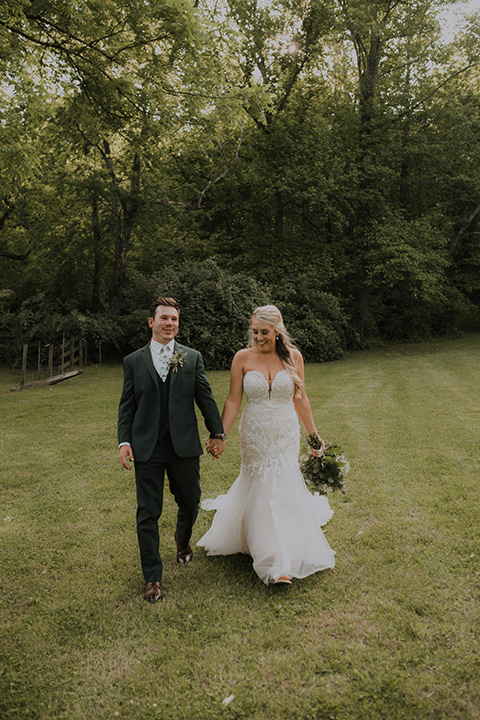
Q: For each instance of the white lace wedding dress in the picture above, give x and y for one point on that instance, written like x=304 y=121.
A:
x=268 y=512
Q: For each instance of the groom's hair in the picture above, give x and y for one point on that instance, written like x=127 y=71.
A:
x=166 y=302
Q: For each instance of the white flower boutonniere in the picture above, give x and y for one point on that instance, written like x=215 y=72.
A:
x=178 y=360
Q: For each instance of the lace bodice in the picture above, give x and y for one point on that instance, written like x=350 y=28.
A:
x=269 y=430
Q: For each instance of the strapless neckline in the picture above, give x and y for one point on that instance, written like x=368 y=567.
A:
x=259 y=372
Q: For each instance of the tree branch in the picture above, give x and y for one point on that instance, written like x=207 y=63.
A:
x=211 y=183
x=64 y=36
x=465 y=227
x=435 y=90
x=4 y=217
x=73 y=56
x=298 y=69
x=15 y=256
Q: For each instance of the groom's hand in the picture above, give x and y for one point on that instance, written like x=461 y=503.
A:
x=125 y=453
x=215 y=447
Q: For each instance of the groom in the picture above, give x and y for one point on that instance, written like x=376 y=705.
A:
x=157 y=429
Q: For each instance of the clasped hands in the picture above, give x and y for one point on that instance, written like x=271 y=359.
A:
x=215 y=446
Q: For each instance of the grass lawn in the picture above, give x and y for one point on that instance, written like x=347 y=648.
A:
x=392 y=632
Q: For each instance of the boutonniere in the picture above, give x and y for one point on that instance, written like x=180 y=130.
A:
x=178 y=360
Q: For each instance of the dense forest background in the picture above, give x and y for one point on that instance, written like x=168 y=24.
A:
x=320 y=154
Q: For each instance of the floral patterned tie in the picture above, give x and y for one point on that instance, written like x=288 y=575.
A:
x=164 y=363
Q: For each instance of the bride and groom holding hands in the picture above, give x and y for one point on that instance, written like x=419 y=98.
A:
x=268 y=513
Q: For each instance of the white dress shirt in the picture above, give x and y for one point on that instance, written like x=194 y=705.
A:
x=161 y=356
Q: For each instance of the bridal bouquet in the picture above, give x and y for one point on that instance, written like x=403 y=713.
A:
x=327 y=471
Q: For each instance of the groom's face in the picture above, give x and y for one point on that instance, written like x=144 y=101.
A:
x=165 y=324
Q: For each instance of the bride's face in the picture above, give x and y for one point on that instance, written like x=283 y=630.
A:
x=264 y=336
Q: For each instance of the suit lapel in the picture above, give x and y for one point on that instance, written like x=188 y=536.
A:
x=173 y=375
x=147 y=359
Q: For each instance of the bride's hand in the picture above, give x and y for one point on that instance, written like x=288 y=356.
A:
x=318 y=452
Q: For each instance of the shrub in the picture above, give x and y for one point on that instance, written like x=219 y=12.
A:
x=314 y=318
x=215 y=308
x=42 y=319
x=215 y=311
x=407 y=276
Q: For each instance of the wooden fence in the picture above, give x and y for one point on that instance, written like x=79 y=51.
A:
x=64 y=360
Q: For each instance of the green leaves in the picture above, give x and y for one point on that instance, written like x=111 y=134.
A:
x=326 y=472
x=357 y=174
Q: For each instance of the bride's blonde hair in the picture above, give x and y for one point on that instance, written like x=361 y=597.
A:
x=284 y=343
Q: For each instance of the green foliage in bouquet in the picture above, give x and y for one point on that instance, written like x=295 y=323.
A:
x=326 y=472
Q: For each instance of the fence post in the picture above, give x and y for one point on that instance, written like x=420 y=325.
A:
x=50 y=360
x=72 y=352
x=80 y=351
x=24 y=364
x=38 y=361
x=63 y=353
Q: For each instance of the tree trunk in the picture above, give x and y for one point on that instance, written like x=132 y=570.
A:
x=98 y=264
x=369 y=197
x=278 y=218
x=124 y=212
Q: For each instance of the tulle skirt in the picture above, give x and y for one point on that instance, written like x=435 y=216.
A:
x=283 y=538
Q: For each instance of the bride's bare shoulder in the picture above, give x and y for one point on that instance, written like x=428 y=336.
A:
x=241 y=355
x=297 y=358
x=243 y=358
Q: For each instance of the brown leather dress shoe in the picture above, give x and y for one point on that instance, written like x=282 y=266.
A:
x=153 y=591
x=184 y=555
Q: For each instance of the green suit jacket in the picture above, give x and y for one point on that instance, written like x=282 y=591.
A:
x=140 y=407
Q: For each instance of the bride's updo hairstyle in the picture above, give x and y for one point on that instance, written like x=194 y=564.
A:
x=284 y=344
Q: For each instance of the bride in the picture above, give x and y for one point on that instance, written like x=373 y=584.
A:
x=269 y=513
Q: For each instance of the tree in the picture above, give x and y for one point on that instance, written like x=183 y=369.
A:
x=123 y=77
x=401 y=69
x=327 y=144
